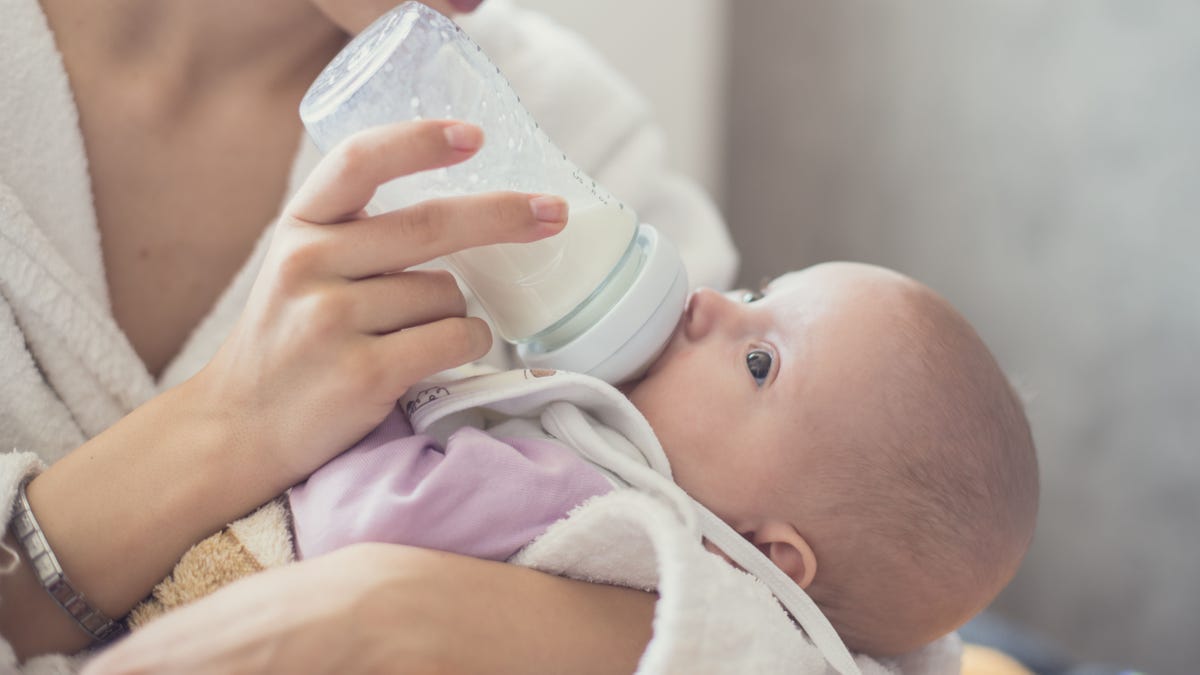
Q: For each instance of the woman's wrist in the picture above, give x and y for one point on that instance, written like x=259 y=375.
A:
x=30 y=620
x=120 y=510
x=244 y=446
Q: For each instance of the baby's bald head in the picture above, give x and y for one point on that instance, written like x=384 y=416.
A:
x=921 y=508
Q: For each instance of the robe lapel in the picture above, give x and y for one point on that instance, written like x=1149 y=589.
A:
x=44 y=160
x=51 y=271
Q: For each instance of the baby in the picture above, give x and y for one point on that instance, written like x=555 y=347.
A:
x=845 y=420
x=848 y=422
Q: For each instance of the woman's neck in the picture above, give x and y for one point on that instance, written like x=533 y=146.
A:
x=183 y=48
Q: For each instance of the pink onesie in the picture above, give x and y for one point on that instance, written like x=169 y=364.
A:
x=480 y=496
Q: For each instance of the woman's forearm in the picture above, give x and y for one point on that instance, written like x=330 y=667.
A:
x=484 y=616
x=121 y=509
x=569 y=626
x=385 y=608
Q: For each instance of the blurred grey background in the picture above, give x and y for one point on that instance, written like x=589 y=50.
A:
x=1036 y=161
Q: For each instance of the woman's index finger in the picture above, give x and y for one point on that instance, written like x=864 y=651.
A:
x=345 y=180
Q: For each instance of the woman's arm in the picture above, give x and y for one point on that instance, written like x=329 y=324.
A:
x=118 y=511
x=335 y=329
x=383 y=608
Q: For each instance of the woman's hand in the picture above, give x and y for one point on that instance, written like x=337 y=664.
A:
x=391 y=609
x=337 y=327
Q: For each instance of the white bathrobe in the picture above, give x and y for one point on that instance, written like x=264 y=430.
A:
x=67 y=371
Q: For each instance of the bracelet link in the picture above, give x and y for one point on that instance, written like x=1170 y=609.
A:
x=52 y=577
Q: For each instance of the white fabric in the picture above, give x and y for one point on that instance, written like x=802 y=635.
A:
x=67 y=371
x=716 y=618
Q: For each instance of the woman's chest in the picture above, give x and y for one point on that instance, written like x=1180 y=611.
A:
x=180 y=201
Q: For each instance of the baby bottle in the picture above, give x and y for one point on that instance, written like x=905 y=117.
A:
x=601 y=297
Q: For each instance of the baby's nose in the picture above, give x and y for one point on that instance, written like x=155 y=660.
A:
x=708 y=310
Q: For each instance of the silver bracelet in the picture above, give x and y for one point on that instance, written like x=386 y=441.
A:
x=53 y=579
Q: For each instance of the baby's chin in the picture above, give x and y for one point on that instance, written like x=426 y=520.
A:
x=628 y=387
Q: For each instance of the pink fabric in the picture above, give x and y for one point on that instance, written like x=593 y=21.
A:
x=479 y=496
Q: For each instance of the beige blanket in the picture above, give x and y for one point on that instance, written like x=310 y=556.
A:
x=252 y=544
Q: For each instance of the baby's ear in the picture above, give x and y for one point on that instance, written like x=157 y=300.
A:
x=788 y=549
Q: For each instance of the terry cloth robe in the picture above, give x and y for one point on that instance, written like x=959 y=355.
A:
x=538 y=430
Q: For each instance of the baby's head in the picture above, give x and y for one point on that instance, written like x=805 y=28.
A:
x=853 y=426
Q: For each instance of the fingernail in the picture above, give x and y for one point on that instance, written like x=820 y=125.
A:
x=549 y=210
x=464 y=137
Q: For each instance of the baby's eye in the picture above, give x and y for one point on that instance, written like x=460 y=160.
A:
x=758 y=362
x=751 y=296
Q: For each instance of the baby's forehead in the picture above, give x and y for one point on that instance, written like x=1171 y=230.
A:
x=867 y=295
x=843 y=272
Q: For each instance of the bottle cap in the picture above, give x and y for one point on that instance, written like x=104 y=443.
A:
x=622 y=343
